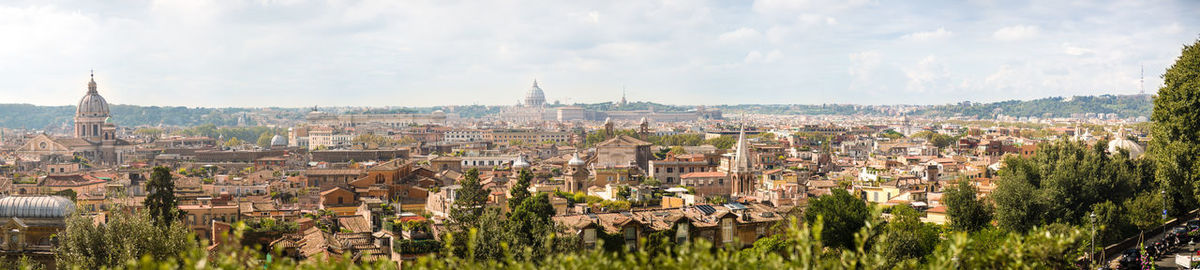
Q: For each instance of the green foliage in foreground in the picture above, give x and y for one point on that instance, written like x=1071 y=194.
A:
x=134 y=241
x=1053 y=247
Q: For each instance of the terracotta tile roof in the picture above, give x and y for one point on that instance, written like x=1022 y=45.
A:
x=703 y=174
x=73 y=180
x=356 y=224
x=333 y=172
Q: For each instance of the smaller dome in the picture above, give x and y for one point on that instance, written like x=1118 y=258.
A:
x=520 y=163
x=278 y=140
x=576 y=161
x=1134 y=149
x=108 y=120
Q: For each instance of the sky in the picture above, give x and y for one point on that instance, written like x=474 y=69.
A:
x=230 y=53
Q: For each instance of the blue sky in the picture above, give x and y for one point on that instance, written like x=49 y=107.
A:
x=421 y=53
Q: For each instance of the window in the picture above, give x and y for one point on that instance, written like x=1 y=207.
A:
x=670 y=170
x=630 y=238
x=340 y=200
x=727 y=230
x=681 y=233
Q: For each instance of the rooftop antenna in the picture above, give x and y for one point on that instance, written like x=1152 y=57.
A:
x=1142 y=81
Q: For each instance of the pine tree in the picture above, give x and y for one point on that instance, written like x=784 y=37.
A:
x=470 y=200
x=520 y=189
x=161 y=201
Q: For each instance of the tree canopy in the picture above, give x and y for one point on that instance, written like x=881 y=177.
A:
x=160 y=200
x=965 y=211
x=1175 y=148
x=842 y=214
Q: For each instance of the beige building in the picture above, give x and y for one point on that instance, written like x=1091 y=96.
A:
x=622 y=151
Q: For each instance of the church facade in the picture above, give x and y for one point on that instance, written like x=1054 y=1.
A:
x=95 y=136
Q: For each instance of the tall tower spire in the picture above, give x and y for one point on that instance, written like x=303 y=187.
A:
x=623 y=101
x=1142 y=81
x=740 y=159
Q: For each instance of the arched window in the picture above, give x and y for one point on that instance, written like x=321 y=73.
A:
x=95 y=130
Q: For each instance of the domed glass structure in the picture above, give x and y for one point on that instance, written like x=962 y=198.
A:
x=36 y=207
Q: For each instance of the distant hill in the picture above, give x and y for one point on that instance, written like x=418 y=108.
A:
x=1122 y=105
x=43 y=117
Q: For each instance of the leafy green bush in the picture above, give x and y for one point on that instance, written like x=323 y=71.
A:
x=405 y=246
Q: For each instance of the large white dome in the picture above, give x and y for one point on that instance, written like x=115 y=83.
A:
x=92 y=104
x=535 y=97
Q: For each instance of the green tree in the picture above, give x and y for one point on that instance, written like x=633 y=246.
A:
x=723 y=142
x=520 y=190
x=160 y=200
x=69 y=193
x=124 y=237
x=1176 y=131
x=376 y=140
x=232 y=142
x=529 y=225
x=1061 y=182
x=264 y=139
x=891 y=134
x=1112 y=223
x=651 y=181
x=470 y=202
x=843 y=215
x=965 y=211
x=1144 y=210
x=905 y=237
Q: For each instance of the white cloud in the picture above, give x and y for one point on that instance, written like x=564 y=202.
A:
x=1075 y=50
x=741 y=34
x=758 y=57
x=791 y=6
x=928 y=35
x=1018 y=32
x=810 y=19
x=928 y=75
x=863 y=71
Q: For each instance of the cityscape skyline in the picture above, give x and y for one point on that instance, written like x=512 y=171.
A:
x=300 y=54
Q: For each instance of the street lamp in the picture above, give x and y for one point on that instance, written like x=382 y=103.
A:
x=1092 y=252
x=1164 y=200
